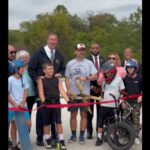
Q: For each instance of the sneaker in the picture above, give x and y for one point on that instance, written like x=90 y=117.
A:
x=39 y=142
x=72 y=139
x=137 y=141
x=81 y=140
x=9 y=143
x=89 y=136
x=53 y=142
x=98 y=142
x=48 y=143
x=62 y=145
x=15 y=148
x=19 y=144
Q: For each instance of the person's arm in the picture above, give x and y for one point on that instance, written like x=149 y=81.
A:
x=62 y=91
x=32 y=66
x=67 y=83
x=12 y=101
x=92 y=77
x=100 y=79
x=40 y=90
x=25 y=94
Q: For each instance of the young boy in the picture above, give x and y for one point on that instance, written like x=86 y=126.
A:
x=133 y=85
x=50 y=88
x=112 y=84
x=17 y=93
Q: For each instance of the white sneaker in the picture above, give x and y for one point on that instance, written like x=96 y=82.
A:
x=137 y=141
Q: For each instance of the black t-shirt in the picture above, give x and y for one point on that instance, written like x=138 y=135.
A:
x=133 y=85
x=51 y=89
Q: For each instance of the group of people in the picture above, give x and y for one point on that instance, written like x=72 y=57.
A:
x=38 y=79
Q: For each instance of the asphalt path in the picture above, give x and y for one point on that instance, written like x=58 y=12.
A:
x=89 y=144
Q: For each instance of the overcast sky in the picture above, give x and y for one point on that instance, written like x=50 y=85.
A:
x=27 y=10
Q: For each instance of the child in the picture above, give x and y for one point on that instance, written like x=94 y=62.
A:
x=133 y=85
x=50 y=88
x=113 y=84
x=17 y=93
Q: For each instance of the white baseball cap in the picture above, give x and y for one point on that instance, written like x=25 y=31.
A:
x=80 y=46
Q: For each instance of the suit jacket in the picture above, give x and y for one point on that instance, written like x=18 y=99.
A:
x=39 y=58
x=94 y=83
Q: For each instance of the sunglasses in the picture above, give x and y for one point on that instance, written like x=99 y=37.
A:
x=112 y=58
x=13 y=52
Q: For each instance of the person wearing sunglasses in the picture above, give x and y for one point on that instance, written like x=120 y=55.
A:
x=121 y=72
x=11 y=53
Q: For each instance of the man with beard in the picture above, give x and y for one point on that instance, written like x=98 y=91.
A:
x=98 y=61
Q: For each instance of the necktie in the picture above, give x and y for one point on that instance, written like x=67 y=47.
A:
x=52 y=56
x=96 y=63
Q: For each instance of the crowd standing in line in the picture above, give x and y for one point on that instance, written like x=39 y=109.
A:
x=98 y=76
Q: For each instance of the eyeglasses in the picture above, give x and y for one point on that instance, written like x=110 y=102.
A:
x=12 y=52
x=112 y=58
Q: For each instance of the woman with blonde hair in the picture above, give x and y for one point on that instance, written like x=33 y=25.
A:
x=25 y=56
x=121 y=72
x=114 y=57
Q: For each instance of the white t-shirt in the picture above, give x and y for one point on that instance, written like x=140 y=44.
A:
x=114 y=88
x=75 y=69
x=15 y=89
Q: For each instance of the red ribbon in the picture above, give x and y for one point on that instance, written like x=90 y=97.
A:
x=72 y=105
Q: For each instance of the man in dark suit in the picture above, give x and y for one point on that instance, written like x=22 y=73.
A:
x=128 y=55
x=48 y=53
x=98 y=61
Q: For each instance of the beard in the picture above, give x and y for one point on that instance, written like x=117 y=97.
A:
x=95 y=54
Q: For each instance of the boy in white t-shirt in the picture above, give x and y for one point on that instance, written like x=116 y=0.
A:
x=112 y=84
x=17 y=93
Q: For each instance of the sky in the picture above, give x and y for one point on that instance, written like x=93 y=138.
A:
x=27 y=10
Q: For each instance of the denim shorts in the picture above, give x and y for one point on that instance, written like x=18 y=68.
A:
x=11 y=115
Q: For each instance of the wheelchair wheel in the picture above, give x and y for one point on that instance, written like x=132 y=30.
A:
x=120 y=136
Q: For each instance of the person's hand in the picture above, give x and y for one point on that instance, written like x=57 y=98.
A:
x=58 y=75
x=43 y=102
x=83 y=79
x=16 y=105
x=139 y=99
x=22 y=104
x=69 y=102
x=96 y=90
x=68 y=93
